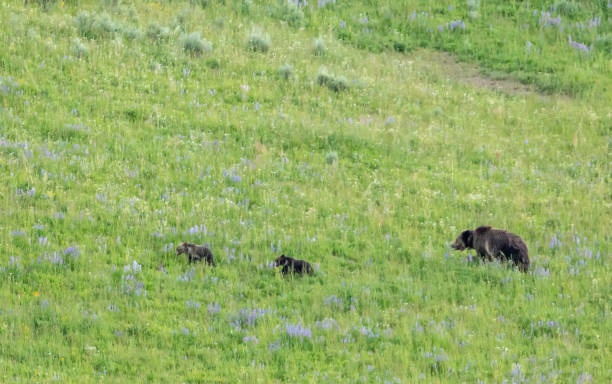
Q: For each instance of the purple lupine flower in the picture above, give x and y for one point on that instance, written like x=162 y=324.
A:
x=132 y=268
x=213 y=309
x=247 y=318
x=327 y=323
x=457 y=24
x=252 y=339
x=186 y=277
x=579 y=46
x=333 y=299
x=132 y=286
x=273 y=347
x=192 y=304
x=298 y=330
x=595 y=22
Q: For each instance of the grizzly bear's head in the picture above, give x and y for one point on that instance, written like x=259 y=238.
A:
x=465 y=240
x=281 y=261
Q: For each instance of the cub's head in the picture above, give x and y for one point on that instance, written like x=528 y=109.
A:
x=465 y=240
x=281 y=261
x=182 y=248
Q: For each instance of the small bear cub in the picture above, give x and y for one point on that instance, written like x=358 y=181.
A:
x=196 y=252
x=492 y=243
x=291 y=265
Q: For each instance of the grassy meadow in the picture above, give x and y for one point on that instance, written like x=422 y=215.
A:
x=362 y=136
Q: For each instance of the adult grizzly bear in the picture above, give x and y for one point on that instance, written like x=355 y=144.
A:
x=492 y=243
x=291 y=265
x=196 y=252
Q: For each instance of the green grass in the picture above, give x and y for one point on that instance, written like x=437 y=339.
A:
x=117 y=143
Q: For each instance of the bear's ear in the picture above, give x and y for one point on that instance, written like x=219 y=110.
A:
x=468 y=238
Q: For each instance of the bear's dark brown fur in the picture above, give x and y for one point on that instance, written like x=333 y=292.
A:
x=291 y=265
x=492 y=243
x=196 y=252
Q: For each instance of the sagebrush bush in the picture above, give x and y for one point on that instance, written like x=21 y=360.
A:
x=132 y=33
x=258 y=41
x=94 y=26
x=334 y=83
x=473 y=7
x=193 y=44
x=289 y=12
x=331 y=157
x=285 y=71
x=79 y=49
x=319 y=48
x=157 y=32
x=566 y=8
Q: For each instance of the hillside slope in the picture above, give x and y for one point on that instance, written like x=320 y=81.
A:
x=127 y=129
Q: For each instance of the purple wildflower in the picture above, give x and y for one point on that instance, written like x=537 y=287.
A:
x=298 y=331
x=252 y=339
x=132 y=268
x=579 y=46
x=213 y=309
x=327 y=323
x=247 y=318
x=457 y=24
x=192 y=304
x=273 y=347
x=333 y=299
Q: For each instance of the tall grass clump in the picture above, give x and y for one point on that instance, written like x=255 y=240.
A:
x=193 y=44
x=319 y=48
x=257 y=41
x=334 y=83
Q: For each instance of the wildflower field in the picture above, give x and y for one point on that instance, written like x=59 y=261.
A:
x=362 y=136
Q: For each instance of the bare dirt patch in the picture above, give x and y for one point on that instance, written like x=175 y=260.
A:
x=447 y=66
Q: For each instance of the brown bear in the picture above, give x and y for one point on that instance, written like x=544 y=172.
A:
x=196 y=252
x=291 y=265
x=492 y=243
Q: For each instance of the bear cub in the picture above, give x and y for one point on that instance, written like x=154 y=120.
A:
x=291 y=265
x=196 y=253
x=492 y=243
